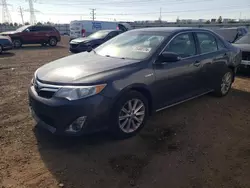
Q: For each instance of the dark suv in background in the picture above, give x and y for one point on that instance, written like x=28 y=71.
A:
x=34 y=35
x=92 y=41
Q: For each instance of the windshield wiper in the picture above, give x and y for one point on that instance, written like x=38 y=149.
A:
x=115 y=57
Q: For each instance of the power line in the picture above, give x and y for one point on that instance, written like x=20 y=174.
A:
x=5 y=12
x=126 y=3
x=226 y=8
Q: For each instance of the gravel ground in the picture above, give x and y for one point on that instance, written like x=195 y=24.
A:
x=199 y=144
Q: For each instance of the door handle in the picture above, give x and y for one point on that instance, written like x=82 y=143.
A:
x=197 y=63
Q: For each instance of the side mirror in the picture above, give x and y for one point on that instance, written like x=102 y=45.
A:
x=168 y=57
x=26 y=30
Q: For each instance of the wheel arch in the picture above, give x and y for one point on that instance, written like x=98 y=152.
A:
x=141 y=88
x=233 y=69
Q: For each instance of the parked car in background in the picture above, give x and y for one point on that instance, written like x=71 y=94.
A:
x=92 y=41
x=139 y=72
x=5 y=44
x=37 y=34
x=83 y=28
x=244 y=44
x=231 y=34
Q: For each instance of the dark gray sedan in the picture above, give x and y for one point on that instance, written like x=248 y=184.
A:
x=5 y=43
x=244 y=44
x=123 y=81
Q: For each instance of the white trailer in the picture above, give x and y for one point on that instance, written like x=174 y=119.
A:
x=83 y=28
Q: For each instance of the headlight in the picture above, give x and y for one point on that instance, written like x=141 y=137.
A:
x=75 y=92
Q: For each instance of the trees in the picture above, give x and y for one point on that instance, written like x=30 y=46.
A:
x=219 y=19
x=26 y=23
x=208 y=22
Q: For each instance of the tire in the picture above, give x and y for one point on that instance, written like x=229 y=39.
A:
x=224 y=84
x=17 y=43
x=125 y=122
x=1 y=49
x=52 y=41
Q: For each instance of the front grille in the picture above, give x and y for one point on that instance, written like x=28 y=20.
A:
x=46 y=94
x=45 y=90
x=74 y=45
x=246 y=56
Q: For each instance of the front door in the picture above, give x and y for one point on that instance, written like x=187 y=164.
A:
x=178 y=81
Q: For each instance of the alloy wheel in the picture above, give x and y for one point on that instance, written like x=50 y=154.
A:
x=131 y=115
x=226 y=83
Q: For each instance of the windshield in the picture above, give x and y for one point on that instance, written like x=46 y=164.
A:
x=132 y=45
x=22 y=28
x=244 y=40
x=99 y=35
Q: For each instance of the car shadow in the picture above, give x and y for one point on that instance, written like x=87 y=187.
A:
x=6 y=54
x=97 y=160
x=39 y=47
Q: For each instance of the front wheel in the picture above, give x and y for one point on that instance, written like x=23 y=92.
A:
x=224 y=84
x=17 y=43
x=1 y=49
x=129 y=115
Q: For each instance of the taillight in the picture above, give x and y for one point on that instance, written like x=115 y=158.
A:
x=83 y=32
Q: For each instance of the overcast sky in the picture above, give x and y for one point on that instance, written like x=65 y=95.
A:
x=64 y=11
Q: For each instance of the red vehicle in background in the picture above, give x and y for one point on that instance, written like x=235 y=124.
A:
x=34 y=34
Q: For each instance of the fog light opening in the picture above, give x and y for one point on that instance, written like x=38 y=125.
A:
x=77 y=125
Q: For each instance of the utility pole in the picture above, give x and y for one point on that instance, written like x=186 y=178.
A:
x=5 y=12
x=21 y=13
x=32 y=12
x=93 y=13
x=160 y=15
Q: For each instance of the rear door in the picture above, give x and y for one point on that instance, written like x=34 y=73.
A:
x=213 y=59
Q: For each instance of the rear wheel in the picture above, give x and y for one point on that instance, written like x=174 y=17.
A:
x=17 y=43
x=52 y=41
x=224 y=84
x=129 y=115
x=1 y=49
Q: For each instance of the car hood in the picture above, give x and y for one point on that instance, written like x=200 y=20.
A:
x=8 y=32
x=5 y=37
x=243 y=47
x=76 y=68
x=83 y=40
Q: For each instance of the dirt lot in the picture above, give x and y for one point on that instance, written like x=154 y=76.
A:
x=204 y=143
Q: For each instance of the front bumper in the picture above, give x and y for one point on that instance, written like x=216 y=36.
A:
x=7 y=47
x=245 y=62
x=78 y=48
x=56 y=115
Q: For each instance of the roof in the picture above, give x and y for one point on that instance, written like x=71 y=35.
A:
x=108 y=30
x=171 y=29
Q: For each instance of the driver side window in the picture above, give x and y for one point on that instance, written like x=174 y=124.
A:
x=183 y=45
